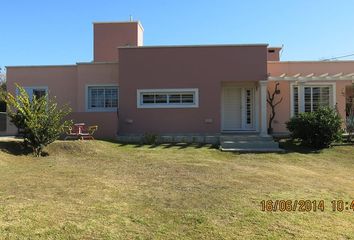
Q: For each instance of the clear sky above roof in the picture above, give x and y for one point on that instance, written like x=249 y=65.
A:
x=60 y=32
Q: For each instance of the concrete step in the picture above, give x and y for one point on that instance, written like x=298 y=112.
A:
x=245 y=138
x=253 y=150
x=248 y=143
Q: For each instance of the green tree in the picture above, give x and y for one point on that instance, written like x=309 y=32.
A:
x=2 y=85
x=39 y=119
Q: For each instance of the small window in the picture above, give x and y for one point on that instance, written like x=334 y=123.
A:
x=39 y=93
x=102 y=98
x=167 y=98
x=35 y=92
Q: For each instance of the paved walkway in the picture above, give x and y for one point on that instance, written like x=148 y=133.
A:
x=9 y=138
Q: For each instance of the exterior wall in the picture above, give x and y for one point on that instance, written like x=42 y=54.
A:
x=60 y=80
x=273 y=53
x=109 y=36
x=106 y=122
x=68 y=84
x=205 y=68
x=305 y=68
x=94 y=74
x=10 y=128
x=283 y=109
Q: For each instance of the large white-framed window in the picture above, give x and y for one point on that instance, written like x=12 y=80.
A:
x=168 y=98
x=102 y=98
x=315 y=95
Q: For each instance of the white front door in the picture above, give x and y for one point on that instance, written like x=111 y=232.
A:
x=237 y=108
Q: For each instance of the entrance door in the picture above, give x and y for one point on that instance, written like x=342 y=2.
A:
x=237 y=108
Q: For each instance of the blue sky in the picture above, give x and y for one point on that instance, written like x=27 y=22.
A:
x=60 y=32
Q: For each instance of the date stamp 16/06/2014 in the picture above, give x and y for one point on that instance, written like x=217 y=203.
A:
x=307 y=206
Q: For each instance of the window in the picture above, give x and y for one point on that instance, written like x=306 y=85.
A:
x=249 y=106
x=39 y=93
x=296 y=101
x=167 y=98
x=314 y=97
x=102 y=98
x=36 y=92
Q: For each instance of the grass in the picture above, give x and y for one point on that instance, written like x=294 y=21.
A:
x=104 y=190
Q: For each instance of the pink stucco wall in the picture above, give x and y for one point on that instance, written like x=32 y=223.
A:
x=109 y=36
x=94 y=74
x=205 y=68
x=273 y=53
x=59 y=80
x=305 y=68
x=283 y=109
x=106 y=122
x=68 y=85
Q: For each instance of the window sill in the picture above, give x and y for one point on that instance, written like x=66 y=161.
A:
x=102 y=110
x=167 y=106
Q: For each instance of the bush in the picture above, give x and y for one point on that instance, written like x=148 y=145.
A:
x=150 y=138
x=316 y=129
x=40 y=120
x=349 y=123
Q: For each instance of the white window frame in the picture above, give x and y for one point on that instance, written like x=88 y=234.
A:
x=332 y=85
x=102 y=109
x=194 y=91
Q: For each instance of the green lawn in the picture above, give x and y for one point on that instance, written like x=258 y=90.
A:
x=103 y=190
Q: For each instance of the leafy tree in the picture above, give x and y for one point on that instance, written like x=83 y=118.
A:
x=39 y=119
x=316 y=129
x=2 y=85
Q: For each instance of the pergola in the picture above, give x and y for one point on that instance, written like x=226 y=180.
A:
x=313 y=77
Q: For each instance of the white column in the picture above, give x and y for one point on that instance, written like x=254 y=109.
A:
x=301 y=96
x=263 y=105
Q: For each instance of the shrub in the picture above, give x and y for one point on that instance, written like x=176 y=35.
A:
x=349 y=123
x=150 y=138
x=316 y=129
x=40 y=120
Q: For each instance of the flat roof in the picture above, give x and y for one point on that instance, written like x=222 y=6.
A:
x=201 y=45
x=65 y=65
x=90 y=63
x=113 y=22
x=27 y=66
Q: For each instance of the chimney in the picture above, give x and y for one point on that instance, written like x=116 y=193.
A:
x=273 y=53
x=108 y=36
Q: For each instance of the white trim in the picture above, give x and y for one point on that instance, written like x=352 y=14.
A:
x=195 y=91
x=87 y=109
x=313 y=77
x=263 y=97
x=256 y=107
x=333 y=99
x=243 y=108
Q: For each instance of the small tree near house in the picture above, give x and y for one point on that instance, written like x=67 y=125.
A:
x=40 y=119
x=273 y=103
x=2 y=90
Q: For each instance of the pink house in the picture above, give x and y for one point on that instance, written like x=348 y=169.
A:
x=185 y=93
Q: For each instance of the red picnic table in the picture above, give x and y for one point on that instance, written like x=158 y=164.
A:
x=80 y=131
